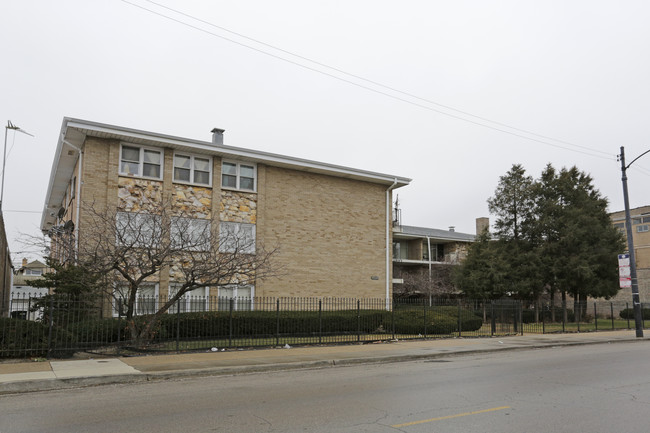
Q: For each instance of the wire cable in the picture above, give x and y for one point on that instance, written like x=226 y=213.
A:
x=587 y=151
x=376 y=83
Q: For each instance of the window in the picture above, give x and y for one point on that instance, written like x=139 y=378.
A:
x=73 y=185
x=192 y=301
x=237 y=175
x=190 y=233
x=140 y=161
x=636 y=220
x=646 y=219
x=33 y=271
x=146 y=300
x=400 y=250
x=643 y=228
x=137 y=229
x=236 y=237
x=240 y=297
x=193 y=169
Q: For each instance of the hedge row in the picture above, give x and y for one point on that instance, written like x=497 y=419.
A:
x=31 y=338
x=439 y=320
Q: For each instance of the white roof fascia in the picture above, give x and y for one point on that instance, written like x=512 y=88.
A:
x=237 y=152
x=84 y=127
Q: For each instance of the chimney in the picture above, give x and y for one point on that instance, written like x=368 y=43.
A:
x=24 y=261
x=217 y=136
x=482 y=225
x=452 y=228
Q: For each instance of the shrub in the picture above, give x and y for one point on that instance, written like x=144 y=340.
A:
x=628 y=313
x=439 y=320
x=27 y=338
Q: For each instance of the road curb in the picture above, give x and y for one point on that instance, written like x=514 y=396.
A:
x=38 y=385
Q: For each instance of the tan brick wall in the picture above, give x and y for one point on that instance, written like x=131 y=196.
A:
x=99 y=178
x=330 y=233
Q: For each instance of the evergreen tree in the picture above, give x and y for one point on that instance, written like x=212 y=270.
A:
x=554 y=235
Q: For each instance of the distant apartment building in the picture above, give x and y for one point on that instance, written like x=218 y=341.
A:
x=640 y=217
x=331 y=224
x=423 y=258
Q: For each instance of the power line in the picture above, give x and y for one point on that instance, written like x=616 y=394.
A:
x=587 y=151
x=376 y=83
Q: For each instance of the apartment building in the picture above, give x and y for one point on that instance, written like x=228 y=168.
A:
x=423 y=259
x=640 y=217
x=331 y=225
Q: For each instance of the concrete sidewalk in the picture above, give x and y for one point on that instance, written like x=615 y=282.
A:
x=47 y=375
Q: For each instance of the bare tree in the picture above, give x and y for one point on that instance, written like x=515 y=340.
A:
x=422 y=283
x=133 y=248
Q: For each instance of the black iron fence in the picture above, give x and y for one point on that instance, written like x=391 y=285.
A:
x=56 y=326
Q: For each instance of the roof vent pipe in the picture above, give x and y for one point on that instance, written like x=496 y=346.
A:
x=217 y=136
x=452 y=228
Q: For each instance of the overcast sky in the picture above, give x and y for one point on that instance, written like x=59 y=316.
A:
x=574 y=71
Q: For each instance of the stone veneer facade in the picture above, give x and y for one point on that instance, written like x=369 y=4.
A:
x=329 y=232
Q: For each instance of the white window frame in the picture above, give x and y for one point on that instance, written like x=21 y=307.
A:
x=237 y=175
x=643 y=228
x=230 y=240
x=137 y=223
x=237 y=299
x=196 y=228
x=117 y=299
x=192 y=169
x=33 y=271
x=188 y=298
x=141 y=161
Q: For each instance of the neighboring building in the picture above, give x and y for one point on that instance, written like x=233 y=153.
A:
x=22 y=294
x=641 y=237
x=6 y=272
x=331 y=224
x=423 y=259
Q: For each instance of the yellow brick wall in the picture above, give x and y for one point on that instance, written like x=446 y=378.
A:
x=330 y=234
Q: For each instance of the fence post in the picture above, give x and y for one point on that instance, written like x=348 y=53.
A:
x=392 y=318
x=178 y=325
x=642 y=317
x=521 y=317
x=51 y=325
x=611 y=312
x=277 y=322
x=424 y=305
x=460 y=330
x=514 y=319
x=595 y=317
x=231 y=306
x=543 y=322
x=320 y=321
x=493 y=321
x=563 y=316
x=358 y=320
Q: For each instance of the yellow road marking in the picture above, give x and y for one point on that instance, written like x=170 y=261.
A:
x=458 y=415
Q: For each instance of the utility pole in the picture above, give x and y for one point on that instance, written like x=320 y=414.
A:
x=638 y=315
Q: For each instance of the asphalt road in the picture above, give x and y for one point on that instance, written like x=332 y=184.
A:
x=596 y=389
